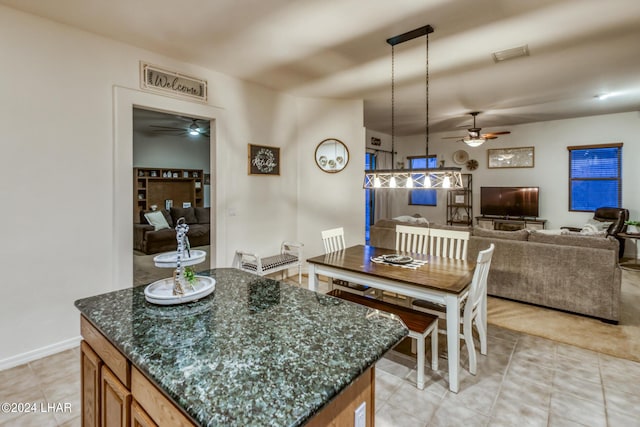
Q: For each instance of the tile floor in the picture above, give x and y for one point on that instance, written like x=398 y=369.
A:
x=524 y=381
x=52 y=380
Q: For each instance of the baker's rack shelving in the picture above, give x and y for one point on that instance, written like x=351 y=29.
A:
x=460 y=203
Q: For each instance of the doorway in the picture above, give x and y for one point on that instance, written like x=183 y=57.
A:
x=125 y=100
x=171 y=177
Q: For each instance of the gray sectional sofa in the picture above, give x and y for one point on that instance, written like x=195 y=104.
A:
x=574 y=273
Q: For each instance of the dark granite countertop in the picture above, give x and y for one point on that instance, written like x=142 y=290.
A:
x=255 y=352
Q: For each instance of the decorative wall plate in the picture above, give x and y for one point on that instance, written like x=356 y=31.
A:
x=460 y=157
x=472 y=164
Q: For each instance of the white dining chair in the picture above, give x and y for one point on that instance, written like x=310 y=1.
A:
x=474 y=308
x=448 y=243
x=333 y=240
x=334 y=246
x=409 y=239
x=412 y=239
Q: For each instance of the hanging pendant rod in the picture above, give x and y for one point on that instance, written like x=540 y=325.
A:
x=442 y=177
x=410 y=35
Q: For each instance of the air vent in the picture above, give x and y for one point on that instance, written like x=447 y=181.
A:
x=512 y=53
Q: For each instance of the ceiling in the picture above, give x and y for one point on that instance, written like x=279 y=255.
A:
x=155 y=123
x=336 y=48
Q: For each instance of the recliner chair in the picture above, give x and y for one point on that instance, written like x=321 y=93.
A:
x=616 y=215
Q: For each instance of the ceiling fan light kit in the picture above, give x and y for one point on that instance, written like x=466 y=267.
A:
x=193 y=129
x=474 y=142
x=474 y=138
x=443 y=177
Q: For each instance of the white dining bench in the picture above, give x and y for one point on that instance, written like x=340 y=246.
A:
x=290 y=256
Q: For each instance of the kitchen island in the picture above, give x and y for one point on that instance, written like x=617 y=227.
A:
x=255 y=352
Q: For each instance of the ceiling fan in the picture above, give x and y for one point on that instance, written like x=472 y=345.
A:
x=194 y=129
x=474 y=138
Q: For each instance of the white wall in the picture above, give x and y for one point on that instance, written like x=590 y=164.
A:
x=62 y=137
x=550 y=173
x=330 y=200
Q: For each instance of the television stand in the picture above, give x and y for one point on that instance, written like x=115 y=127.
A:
x=506 y=223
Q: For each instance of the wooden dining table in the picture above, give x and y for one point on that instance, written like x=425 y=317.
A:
x=439 y=280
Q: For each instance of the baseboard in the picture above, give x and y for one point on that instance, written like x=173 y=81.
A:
x=39 y=353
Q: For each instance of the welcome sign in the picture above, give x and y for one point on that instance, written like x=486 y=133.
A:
x=170 y=82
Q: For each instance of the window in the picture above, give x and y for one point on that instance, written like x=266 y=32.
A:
x=423 y=197
x=595 y=176
x=369 y=197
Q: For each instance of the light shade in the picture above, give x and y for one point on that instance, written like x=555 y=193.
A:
x=474 y=142
x=413 y=179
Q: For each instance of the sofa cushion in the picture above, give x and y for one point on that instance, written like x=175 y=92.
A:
x=450 y=227
x=203 y=215
x=575 y=239
x=189 y=215
x=157 y=219
x=198 y=230
x=499 y=234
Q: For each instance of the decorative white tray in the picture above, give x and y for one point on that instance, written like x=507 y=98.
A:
x=397 y=259
x=161 y=291
x=169 y=259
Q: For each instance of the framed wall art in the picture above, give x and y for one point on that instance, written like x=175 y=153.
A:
x=517 y=157
x=264 y=160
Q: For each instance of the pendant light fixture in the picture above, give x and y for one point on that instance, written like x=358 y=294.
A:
x=443 y=177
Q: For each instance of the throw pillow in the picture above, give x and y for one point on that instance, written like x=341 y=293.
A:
x=594 y=225
x=189 y=215
x=157 y=220
x=203 y=215
x=167 y=216
x=584 y=233
x=412 y=219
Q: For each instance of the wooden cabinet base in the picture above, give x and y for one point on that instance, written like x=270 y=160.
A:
x=157 y=405
x=115 y=404
x=341 y=410
x=139 y=418
x=90 y=366
x=115 y=393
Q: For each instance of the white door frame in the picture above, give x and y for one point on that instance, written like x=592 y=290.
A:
x=124 y=100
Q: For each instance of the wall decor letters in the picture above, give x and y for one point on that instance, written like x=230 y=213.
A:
x=156 y=79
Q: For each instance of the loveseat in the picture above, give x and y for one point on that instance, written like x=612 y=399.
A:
x=150 y=239
x=574 y=273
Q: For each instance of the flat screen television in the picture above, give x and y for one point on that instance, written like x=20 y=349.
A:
x=509 y=201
